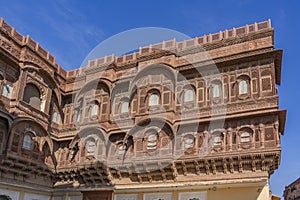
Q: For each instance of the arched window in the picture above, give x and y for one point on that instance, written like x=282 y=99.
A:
x=216 y=90
x=152 y=141
x=154 y=99
x=243 y=87
x=188 y=141
x=56 y=118
x=94 y=110
x=7 y=90
x=124 y=107
x=90 y=147
x=189 y=95
x=245 y=137
x=27 y=142
x=32 y=96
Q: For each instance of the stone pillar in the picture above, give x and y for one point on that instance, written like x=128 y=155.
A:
x=21 y=85
x=238 y=138
x=47 y=101
x=225 y=139
x=252 y=137
x=262 y=135
x=229 y=135
x=22 y=194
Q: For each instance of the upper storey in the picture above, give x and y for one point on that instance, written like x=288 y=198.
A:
x=246 y=71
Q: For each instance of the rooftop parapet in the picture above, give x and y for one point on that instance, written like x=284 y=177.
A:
x=33 y=45
x=173 y=44
x=165 y=45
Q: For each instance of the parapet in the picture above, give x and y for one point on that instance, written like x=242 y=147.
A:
x=165 y=45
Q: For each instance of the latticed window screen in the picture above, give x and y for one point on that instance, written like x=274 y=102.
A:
x=266 y=83
x=269 y=133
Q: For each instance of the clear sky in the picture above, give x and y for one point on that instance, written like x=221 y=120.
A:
x=71 y=29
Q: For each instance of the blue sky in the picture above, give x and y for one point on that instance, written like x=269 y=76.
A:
x=71 y=29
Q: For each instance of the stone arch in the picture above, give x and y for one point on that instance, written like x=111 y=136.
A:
x=33 y=95
x=163 y=129
x=95 y=133
x=41 y=135
x=94 y=84
x=47 y=78
x=157 y=68
x=117 y=139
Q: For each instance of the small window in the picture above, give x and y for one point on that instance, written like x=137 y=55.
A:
x=152 y=141
x=56 y=118
x=27 y=142
x=188 y=141
x=189 y=95
x=32 y=96
x=243 y=87
x=216 y=90
x=217 y=140
x=95 y=110
x=154 y=99
x=124 y=107
x=7 y=90
x=90 y=147
x=245 y=137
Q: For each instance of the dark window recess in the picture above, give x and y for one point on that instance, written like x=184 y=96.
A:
x=32 y=96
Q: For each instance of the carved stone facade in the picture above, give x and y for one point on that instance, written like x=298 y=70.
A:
x=292 y=191
x=160 y=123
